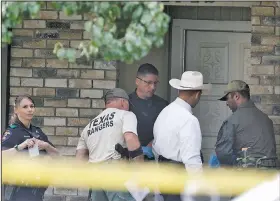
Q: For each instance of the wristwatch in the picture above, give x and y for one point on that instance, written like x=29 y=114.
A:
x=16 y=147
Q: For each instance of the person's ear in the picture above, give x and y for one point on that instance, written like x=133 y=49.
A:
x=15 y=110
x=122 y=103
x=136 y=81
x=236 y=96
x=197 y=94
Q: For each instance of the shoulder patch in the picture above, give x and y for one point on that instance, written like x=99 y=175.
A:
x=13 y=126
x=6 y=135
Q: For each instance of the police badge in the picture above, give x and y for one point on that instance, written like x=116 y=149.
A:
x=5 y=135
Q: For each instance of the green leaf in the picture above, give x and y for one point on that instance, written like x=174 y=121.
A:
x=151 y=5
x=93 y=50
x=57 y=46
x=146 y=18
x=34 y=10
x=124 y=31
x=96 y=34
x=99 y=21
x=88 y=26
x=128 y=46
x=159 y=42
x=116 y=11
x=152 y=27
x=68 y=11
x=108 y=37
x=61 y=53
x=71 y=55
x=137 y=13
x=104 y=6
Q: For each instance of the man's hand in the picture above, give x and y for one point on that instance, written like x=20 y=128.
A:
x=147 y=151
x=150 y=144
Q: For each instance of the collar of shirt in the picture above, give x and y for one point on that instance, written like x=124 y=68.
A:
x=22 y=125
x=184 y=104
x=247 y=104
x=134 y=95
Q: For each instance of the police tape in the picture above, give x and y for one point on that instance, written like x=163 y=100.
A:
x=69 y=173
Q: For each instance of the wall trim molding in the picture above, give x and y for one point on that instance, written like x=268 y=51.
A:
x=217 y=3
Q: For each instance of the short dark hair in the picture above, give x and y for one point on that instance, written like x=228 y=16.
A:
x=146 y=69
x=190 y=92
x=245 y=94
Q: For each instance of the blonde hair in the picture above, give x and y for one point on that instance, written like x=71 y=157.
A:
x=17 y=102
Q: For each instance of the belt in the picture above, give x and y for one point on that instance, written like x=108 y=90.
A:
x=264 y=162
x=267 y=162
x=163 y=159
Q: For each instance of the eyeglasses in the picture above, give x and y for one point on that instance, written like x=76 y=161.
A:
x=149 y=82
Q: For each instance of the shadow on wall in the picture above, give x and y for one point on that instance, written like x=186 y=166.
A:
x=127 y=72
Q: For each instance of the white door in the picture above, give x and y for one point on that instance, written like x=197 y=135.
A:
x=220 y=56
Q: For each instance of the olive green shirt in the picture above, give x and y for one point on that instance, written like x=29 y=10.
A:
x=246 y=127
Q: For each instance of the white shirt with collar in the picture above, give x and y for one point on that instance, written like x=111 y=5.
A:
x=177 y=135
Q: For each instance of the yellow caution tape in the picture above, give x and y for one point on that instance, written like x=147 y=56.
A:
x=164 y=177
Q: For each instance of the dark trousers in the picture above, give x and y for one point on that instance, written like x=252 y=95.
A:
x=176 y=197
x=170 y=197
x=23 y=193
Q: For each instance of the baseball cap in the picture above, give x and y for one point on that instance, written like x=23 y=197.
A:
x=234 y=86
x=115 y=93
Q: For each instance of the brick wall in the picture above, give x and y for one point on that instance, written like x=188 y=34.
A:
x=66 y=95
x=265 y=60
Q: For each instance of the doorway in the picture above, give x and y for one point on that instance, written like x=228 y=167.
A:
x=219 y=50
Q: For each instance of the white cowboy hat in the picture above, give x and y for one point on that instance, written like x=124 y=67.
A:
x=190 y=80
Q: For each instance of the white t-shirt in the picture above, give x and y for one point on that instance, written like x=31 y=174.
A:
x=106 y=130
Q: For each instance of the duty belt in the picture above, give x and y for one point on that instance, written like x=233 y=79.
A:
x=163 y=159
x=263 y=163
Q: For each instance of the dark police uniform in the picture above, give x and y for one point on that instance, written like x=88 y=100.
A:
x=16 y=134
x=146 y=112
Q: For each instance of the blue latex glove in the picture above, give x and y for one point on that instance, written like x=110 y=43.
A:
x=213 y=161
x=147 y=151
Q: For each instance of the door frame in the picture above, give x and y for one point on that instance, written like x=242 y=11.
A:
x=5 y=87
x=179 y=31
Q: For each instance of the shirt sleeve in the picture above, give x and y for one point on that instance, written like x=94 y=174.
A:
x=45 y=137
x=82 y=140
x=9 y=139
x=224 y=144
x=190 y=145
x=129 y=123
